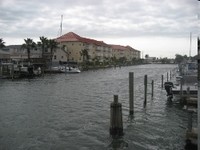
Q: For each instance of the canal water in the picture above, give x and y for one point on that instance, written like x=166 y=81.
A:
x=72 y=112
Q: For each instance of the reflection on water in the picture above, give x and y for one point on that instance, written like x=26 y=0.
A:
x=72 y=111
x=118 y=143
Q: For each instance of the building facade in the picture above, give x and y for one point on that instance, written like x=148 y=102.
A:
x=73 y=48
x=4 y=56
x=126 y=52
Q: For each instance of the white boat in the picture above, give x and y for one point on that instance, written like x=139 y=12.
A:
x=65 y=69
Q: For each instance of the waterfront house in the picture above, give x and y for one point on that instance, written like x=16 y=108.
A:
x=74 y=48
x=18 y=54
x=4 y=55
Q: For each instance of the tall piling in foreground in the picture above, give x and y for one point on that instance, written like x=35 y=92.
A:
x=198 y=53
x=170 y=75
x=145 y=90
x=116 y=122
x=131 y=93
x=162 y=80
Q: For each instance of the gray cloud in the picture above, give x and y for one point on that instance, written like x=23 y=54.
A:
x=106 y=18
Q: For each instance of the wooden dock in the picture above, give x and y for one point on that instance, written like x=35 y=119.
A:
x=193 y=90
x=192 y=101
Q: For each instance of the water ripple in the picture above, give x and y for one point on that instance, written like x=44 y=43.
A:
x=65 y=111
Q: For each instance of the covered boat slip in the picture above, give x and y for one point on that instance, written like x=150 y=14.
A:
x=185 y=83
x=192 y=90
x=6 y=70
x=182 y=86
x=12 y=71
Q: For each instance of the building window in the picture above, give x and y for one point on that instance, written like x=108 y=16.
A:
x=54 y=56
x=62 y=57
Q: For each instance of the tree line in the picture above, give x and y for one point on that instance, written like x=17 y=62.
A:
x=181 y=58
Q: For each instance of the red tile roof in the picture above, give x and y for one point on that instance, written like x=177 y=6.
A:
x=118 y=47
x=72 y=37
x=69 y=37
x=122 y=48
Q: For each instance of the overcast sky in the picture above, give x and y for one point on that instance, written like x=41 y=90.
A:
x=160 y=28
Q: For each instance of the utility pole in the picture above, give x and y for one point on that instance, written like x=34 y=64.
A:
x=61 y=25
x=198 y=78
x=190 y=45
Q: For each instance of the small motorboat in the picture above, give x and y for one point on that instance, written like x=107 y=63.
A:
x=65 y=69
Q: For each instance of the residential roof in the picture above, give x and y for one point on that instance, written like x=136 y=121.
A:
x=13 y=47
x=118 y=47
x=72 y=37
x=69 y=37
x=129 y=47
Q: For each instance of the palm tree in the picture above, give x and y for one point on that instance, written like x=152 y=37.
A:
x=2 y=43
x=43 y=44
x=114 y=60
x=85 y=55
x=66 y=50
x=29 y=45
x=52 y=44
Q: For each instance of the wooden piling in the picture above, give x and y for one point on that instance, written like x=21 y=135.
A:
x=131 y=93
x=1 y=70
x=43 y=69
x=145 y=90
x=116 y=122
x=152 y=89
x=170 y=75
x=190 y=120
x=162 y=81
x=12 y=72
x=188 y=93
x=181 y=89
x=167 y=77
